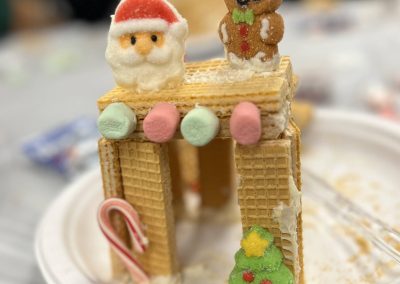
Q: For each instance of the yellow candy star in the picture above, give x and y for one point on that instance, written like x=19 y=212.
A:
x=254 y=245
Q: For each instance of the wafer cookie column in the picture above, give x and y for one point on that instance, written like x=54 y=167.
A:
x=147 y=187
x=268 y=196
x=216 y=177
x=112 y=187
x=177 y=186
x=294 y=134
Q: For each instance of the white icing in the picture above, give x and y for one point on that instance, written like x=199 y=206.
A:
x=264 y=28
x=143 y=25
x=256 y=63
x=175 y=279
x=224 y=33
x=279 y=121
x=221 y=76
x=137 y=25
x=286 y=216
x=224 y=75
x=162 y=67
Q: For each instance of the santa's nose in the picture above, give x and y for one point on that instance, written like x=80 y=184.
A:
x=143 y=46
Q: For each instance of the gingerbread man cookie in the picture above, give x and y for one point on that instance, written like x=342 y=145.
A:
x=251 y=32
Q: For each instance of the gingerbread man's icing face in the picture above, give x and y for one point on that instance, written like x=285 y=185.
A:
x=258 y=6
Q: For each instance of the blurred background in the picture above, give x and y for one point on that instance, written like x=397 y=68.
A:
x=52 y=70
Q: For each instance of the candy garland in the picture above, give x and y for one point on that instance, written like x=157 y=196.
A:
x=199 y=127
x=139 y=240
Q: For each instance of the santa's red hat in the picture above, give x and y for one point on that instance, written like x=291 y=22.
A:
x=147 y=15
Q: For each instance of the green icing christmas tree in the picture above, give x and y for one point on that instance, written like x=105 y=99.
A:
x=259 y=261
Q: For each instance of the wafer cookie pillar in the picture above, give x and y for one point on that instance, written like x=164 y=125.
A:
x=216 y=173
x=177 y=183
x=269 y=197
x=198 y=168
x=139 y=173
x=112 y=187
x=147 y=187
x=294 y=134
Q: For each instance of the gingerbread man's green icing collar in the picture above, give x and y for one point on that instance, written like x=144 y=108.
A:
x=243 y=17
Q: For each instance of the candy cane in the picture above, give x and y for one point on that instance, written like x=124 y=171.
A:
x=139 y=240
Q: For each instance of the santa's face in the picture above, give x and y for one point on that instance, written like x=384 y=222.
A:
x=146 y=61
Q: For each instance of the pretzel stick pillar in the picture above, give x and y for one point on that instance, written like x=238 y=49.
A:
x=147 y=187
x=112 y=187
x=268 y=195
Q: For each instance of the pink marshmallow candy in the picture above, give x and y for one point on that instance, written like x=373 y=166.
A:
x=161 y=123
x=245 y=124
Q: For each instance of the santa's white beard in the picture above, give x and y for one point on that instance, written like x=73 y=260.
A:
x=161 y=68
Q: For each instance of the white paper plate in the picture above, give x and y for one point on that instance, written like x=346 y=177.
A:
x=358 y=154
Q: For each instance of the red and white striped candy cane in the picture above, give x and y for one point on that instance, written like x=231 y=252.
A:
x=139 y=240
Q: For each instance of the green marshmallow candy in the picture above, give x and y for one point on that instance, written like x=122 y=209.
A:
x=200 y=126
x=117 y=121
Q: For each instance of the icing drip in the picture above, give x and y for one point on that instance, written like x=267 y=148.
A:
x=224 y=33
x=286 y=216
x=264 y=28
x=256 y=63
x=226 y=75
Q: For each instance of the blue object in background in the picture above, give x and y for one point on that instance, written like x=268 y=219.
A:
x=68 y=149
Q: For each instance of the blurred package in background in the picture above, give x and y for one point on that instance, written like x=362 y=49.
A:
x=69 y=149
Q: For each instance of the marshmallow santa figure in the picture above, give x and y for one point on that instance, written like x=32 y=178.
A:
x=146 y=45
x=251 y=32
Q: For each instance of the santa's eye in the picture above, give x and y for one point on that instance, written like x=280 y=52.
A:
x=154 y=38
x=133 y=40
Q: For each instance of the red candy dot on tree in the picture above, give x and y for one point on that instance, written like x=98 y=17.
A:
x=266 y=282
x=248 y=276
